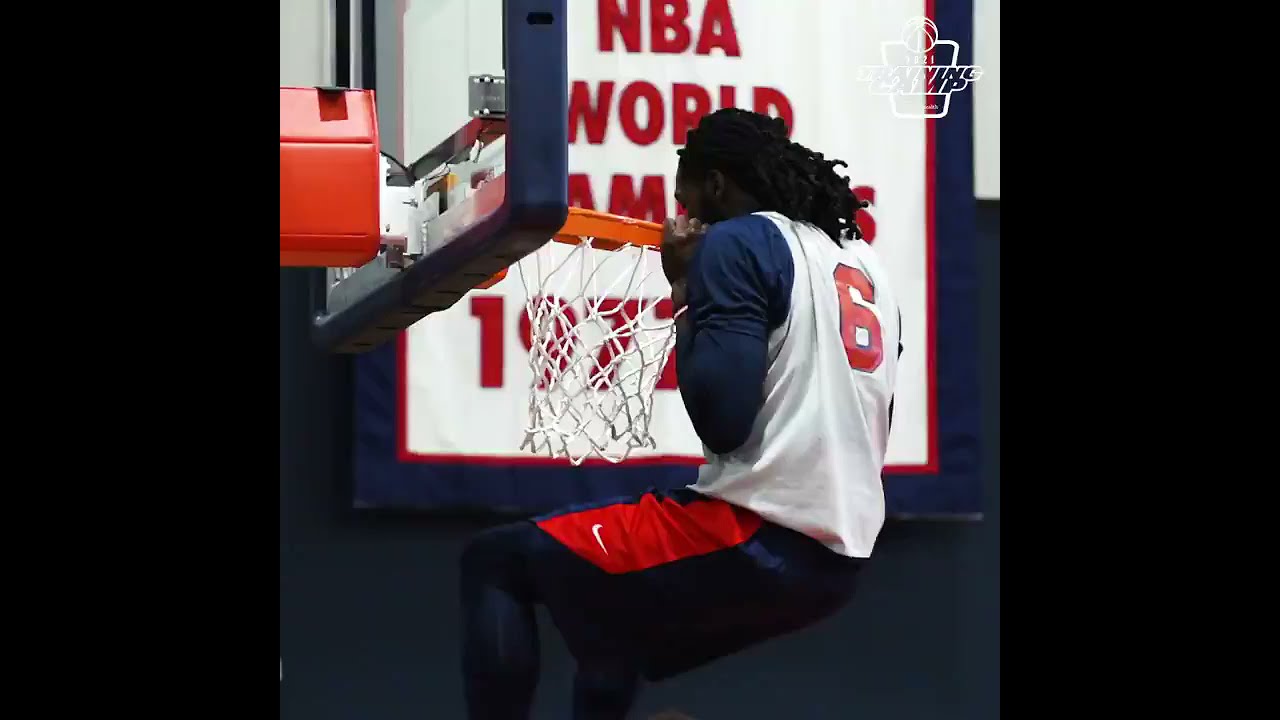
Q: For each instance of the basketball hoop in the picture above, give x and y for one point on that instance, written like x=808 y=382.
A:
x=598 y=341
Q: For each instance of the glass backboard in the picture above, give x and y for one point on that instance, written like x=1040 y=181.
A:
x=472 y=105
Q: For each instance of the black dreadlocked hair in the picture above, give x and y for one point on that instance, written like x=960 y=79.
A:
x=754 y=150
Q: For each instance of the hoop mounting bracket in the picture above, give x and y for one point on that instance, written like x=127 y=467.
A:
x=488 y=96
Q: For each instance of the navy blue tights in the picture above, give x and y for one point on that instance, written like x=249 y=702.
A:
x=500 y=649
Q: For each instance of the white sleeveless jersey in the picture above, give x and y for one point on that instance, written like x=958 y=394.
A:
x=813 y=460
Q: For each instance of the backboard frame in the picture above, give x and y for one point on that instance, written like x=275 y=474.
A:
x=533 y=192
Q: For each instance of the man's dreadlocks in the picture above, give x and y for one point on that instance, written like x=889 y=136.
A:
x=754 y=151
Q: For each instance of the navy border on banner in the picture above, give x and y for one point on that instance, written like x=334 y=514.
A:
x=384 y=479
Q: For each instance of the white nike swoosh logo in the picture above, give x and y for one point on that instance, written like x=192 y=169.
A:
x=595 y=530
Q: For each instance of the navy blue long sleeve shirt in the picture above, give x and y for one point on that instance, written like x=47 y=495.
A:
x=738 y=290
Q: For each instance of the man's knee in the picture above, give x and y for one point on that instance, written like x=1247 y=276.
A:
x=496 y=555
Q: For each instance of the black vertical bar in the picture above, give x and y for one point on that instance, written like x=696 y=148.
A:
x=368 y=45
x=317 y=279
x=342 y=43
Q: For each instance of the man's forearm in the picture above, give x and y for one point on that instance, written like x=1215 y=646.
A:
x=683 y=329
x=684 y=333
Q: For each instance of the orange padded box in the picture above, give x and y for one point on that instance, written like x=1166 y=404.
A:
x=329 y=177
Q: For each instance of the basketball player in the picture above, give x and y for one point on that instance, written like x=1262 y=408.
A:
x=782 y=364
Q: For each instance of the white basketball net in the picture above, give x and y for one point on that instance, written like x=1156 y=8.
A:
x=597 y=349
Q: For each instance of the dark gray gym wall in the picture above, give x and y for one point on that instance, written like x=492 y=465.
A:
x=368 y=608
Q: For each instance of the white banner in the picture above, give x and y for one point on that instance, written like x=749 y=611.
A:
x=637 y=84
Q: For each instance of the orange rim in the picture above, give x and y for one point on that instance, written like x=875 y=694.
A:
x=609 y=231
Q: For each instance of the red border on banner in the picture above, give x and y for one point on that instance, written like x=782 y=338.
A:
x=404 y=454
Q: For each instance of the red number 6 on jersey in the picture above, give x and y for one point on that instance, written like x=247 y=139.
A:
x=859 y=326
